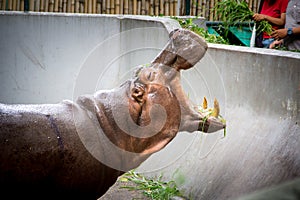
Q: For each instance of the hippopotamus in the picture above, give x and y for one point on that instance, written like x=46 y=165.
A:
x=78 y=149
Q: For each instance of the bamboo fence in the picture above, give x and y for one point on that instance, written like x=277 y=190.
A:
x=201 y=8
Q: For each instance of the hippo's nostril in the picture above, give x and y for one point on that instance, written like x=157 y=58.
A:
x=138 y=92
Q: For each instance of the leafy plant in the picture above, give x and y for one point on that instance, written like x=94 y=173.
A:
x=155 y=189
x=284 y=48
x=235 y=12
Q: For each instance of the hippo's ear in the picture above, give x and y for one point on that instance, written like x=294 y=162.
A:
x=172 y=32
x=184 y=49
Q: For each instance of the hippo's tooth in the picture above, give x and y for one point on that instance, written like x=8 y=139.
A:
x=216 y=110
x=204 y=104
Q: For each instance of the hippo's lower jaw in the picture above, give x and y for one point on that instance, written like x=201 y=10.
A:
x=200 y=122
x=210 y=125
x=191 y=119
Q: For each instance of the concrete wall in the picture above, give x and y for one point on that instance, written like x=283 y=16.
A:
x=259 y=94
x=45 y=58
x=49 y=57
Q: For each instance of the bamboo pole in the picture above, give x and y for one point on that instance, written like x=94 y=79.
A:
x=98 y=10
x=134 y=6
x=46 y=5
x=18 y=5
x=77 y=6
x=112 y=7
x=211 y=15
x=22 y=5
x=117 y=7
x=199 y=2
x=90 y=6
x=81 y=7
x=42 y=6
x=55 y=9
x=175 y=5
x=147 y=9
x=103 y=7
x=85 y=5
x=216 y=17
x=156 y=9
x=126 y=7
x=161 y=7
x=107 y=6
x=255 y=6
x=14 y=4
x=37 y=6
x=60 y=6
x=202 y=8
x=31 y=5
x=138 y=7
x=68 y=6
x=194 y=7
x=94 y=6
x=121 y=11
x=130 y=6
x=72 y=6
x=182 y=7
x=10 y=5
x=151 y=7
x=251 y=4
x=166 y=7
x=171 y=8
x=1 y=5
x=51 y=5
x=64 y=6
x=143 y=7
x=206 y=10
x=4 y=5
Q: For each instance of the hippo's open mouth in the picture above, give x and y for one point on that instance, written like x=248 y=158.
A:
x=182 y=52
x=162 y=77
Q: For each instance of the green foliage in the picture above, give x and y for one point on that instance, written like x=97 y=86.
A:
x=155 y=189
x=284 y=48
x=235 y=12
x=211 y=38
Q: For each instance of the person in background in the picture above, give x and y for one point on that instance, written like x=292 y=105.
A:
x=272 y=11
x=289 y=36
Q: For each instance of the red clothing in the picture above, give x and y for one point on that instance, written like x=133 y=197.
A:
x=274 y=10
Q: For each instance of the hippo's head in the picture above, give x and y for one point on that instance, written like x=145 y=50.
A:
x=146 y=112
